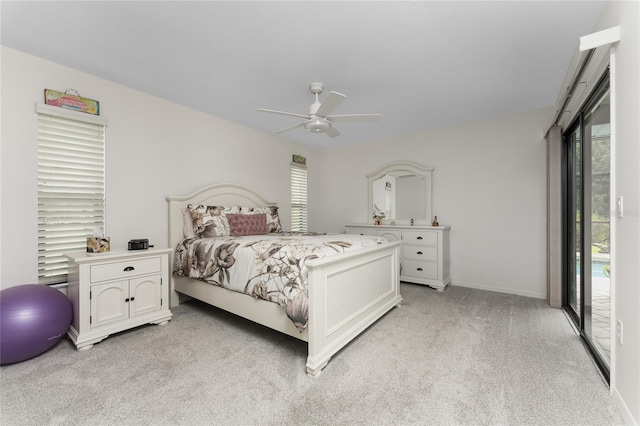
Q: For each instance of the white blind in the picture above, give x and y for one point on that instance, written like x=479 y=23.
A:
x=298 y=197
x=387 y=203
x=71 y=190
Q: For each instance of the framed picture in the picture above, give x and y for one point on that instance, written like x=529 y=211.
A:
x=299 y=159
x=71 y=99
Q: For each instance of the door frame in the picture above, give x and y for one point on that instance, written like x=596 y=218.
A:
x=568 y=222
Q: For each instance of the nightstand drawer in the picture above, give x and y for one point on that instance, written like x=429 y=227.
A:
x=125 y=269
x=429 y=238
x=425 y=270
x=420 y=252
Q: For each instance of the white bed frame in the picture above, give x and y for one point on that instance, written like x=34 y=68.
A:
x=347 y=293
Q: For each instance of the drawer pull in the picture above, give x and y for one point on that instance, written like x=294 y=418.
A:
x=419 y=238
x=419 y=252
x=128 y=268
x=419 y=269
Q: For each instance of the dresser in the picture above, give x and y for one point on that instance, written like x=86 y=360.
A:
x=425 y=251
x=115 y=291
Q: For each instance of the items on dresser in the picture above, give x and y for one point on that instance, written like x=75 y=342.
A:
x=115 y=291
x=425 y=251
x=139 y=244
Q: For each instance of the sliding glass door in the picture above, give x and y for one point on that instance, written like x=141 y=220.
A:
x=587 y=290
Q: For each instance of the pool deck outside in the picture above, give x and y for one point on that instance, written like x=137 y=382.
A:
x=601 y=314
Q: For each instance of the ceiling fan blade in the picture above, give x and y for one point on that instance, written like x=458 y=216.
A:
x=332 y=132
x=361 y=118
x=330 y=103
x=286 y=129
x=273 y=111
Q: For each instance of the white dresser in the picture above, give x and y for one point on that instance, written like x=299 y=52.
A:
x=425 y=251
x=115 y=291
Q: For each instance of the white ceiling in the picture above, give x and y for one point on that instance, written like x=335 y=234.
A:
x=422 y=64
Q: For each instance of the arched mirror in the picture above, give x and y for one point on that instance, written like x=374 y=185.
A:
x=399 y=192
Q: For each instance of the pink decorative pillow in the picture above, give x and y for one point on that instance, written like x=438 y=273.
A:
x=248 y=224
x=271 y=212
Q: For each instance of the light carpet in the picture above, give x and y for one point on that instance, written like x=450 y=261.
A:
x=461 y=356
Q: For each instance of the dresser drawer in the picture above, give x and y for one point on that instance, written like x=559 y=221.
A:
x=429 y=238
x=125 y=269
x=410 y=251
x=425 y=270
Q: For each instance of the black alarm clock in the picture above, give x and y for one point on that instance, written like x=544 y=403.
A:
x=141 y=244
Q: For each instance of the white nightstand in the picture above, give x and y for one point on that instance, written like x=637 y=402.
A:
x=115 y=291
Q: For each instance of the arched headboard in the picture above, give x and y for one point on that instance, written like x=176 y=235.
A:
x=223 y=194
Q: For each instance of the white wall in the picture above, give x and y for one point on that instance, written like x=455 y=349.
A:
x=154 y=148
x=488 y=178
x=488 y=185
x=625 y=381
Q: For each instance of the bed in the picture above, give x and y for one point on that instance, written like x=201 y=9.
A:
x=346 y=292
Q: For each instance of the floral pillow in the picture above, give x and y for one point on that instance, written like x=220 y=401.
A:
x=206 y=221
x=271 y=214
x=248 y=224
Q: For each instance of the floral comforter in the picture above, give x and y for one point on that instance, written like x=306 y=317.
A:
x=270 y=267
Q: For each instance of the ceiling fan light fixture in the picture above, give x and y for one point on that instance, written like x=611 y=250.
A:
x=319 y=119
x=317 y=125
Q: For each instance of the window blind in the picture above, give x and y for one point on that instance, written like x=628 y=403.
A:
x=298 y=197
x=387 y=203
x=71 y=186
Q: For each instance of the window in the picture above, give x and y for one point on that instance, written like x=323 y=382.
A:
x=298 y=196
x=387 y=200
x=71 y=190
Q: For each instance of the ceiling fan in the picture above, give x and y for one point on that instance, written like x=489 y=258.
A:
x=319 y=119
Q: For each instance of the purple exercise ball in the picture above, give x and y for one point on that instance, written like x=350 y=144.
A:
x=33 y=318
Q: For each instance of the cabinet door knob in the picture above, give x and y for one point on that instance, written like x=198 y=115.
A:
x=419 y=252
x=129 y=299
x=129 y=268
x=419 y=238
x=420 y=269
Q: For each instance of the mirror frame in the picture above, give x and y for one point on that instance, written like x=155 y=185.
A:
x=402 y=166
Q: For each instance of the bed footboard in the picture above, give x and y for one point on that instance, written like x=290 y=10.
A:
x=347 y=294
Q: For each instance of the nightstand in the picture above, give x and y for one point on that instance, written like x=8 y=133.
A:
x=115 y=291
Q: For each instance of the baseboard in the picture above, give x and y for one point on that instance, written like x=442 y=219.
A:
x=62 y=287
x=624 y=410
x=500 y=289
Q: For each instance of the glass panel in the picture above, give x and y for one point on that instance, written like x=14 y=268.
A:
x=588 y=206
x=600 y=227
x=575 y=235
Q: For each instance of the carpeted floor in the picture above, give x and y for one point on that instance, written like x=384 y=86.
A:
x=462 y=356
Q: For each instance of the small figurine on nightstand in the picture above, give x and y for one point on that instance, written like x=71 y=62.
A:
x=435 y=221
